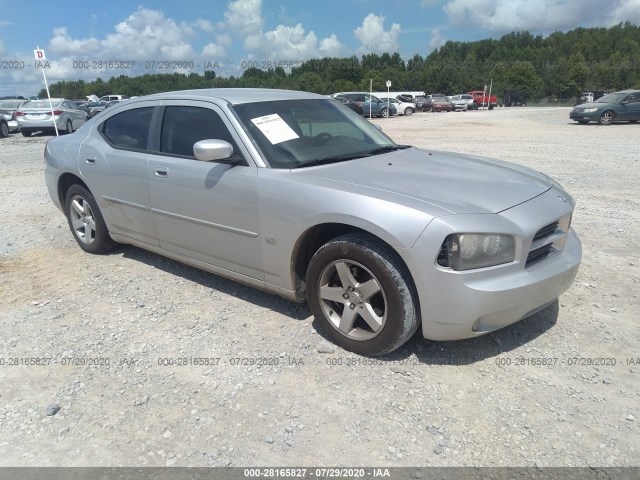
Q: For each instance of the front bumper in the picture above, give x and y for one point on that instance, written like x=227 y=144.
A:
x=464 y=304
x=581 y=116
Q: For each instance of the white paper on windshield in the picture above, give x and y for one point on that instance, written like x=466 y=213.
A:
x=274 y=128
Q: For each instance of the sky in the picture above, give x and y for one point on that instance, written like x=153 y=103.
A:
x=81 y=37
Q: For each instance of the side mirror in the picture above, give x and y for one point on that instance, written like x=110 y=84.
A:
x=212 y=150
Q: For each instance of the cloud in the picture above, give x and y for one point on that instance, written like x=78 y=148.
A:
x=502 y=16
x=244 y=17
x=373 y=38
x=437 y=40
x=283 y=43
x=625 y=11
x=143 y=35
x=204 y=25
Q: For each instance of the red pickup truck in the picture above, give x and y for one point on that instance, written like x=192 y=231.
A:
x=480 y=99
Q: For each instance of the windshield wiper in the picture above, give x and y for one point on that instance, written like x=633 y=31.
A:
x=341 y=158
x=388 y=148
x=327 y=160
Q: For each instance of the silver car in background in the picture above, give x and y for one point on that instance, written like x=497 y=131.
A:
x=37 y=116
x=294 y=193
x=7 y=111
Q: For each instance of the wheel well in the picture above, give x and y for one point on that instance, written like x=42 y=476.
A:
x=65 y=181
x=315 y=237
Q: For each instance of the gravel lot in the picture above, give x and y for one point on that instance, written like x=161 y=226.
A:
x=482 y=402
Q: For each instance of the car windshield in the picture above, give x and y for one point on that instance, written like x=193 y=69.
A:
x=40 y=104
x=298 y=133
x=612 y=98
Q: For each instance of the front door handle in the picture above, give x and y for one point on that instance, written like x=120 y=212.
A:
x=161 y=172
x=91 y=160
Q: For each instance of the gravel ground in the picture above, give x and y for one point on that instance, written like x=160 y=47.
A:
x=482 y=402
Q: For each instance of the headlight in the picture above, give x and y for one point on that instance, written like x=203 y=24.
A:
x=465 y=251
x=589 y=110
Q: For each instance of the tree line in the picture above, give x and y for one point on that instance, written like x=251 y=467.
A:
x=560 y=65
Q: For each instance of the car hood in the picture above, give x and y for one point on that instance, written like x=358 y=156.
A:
x=453 y=182
x=591 y=105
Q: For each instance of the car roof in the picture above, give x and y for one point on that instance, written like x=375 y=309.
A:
x=235 y=96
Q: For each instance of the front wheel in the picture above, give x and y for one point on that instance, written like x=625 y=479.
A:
x=69 y=127
x=360 y=294
x=607 y=118
x=384 y=113
x=25 y=133
x=408 y=112
x=4 y=130
x=86 y=221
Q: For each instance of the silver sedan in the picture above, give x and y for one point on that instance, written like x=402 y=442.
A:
x=37 y=116
x=296 y=194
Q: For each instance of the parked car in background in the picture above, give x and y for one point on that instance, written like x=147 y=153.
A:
x=370 y=104
x=618 y=106
x=102 y=107
x=483 y=99
x=405 y=97
x=291 y=193
x=420 y=101
x=111 y=98
x=347 y=102
x=437 y=104
x=36 y=116
x=4 y=128
x=589 y=97
x=8 y=109
x=462 y=102
x=513 y=98
x=403 y=108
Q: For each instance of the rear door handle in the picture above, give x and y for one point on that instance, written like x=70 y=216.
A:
x=90 y=160
x=161 y=172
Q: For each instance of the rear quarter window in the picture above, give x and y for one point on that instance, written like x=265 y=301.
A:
x=128 y=130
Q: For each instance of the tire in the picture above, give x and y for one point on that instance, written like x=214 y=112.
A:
x=378 y=291
x=431 y=110
x=491 y=107
x=384 y=113
x=607 y=118
x=85 y=221
x=69 y=127
x=4 y=130
x=26 y=133
x=408 y=112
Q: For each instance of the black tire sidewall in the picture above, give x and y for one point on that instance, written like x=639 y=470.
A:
x=4 y=130
x=369 y=256
x=69 y=126
x=102 y=242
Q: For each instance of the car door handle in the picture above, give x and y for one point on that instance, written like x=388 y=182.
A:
x=161 y=172
x=90 y=160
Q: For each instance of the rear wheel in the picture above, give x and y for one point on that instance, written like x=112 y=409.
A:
x=86 y=221
x=26 y=133
x=607 y=118
x=408 y=112
x=69 y=127
x=384 y=113
x=361 y=295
